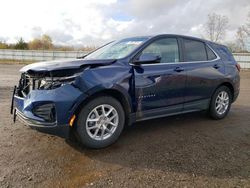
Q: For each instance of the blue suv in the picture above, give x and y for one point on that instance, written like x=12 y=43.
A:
x=126 y=81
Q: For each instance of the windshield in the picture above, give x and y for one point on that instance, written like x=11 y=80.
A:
x=117 y=49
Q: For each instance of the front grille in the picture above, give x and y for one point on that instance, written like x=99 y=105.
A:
x=46 y=112
x=27 y=84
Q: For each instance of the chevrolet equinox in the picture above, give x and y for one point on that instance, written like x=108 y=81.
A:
x=126 y=81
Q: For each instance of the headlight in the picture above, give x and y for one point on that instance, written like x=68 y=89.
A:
x=55 y=82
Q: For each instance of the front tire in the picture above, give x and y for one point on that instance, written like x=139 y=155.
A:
x=100 y=122
x=220 y=103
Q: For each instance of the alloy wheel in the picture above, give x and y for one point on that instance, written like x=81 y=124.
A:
x=102 y=122
x=222 y=102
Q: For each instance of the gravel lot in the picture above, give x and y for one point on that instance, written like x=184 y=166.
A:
x=182 y=151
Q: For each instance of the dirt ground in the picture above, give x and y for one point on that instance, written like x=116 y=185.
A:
x=182 y=151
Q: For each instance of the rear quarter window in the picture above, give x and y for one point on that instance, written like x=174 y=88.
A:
x=210 y=54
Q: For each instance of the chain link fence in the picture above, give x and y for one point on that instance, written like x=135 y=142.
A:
x=39 y=55
x=43 y=55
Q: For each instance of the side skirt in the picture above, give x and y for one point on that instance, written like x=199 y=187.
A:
x=170 y=111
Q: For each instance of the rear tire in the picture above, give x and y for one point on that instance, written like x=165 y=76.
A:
x=220 y=103
x=100 y=122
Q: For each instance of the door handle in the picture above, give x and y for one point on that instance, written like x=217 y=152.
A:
x=179 y=69
x=216 y=66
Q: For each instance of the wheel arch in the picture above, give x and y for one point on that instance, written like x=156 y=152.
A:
x=227 y=84
x=118 y=95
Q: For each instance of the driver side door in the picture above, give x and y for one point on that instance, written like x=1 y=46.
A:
x=159 y=86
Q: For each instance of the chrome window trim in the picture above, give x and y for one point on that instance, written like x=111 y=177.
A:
x=184 y=62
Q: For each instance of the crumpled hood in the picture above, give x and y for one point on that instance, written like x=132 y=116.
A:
x=58 y=65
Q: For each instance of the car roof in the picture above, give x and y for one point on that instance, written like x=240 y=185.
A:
x=178 y=35
x=175 y=35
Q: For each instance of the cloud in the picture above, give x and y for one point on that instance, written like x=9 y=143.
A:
x=36 y=32
x=93 y=22
x=60 y=37
x=185 y=17
x=4 y=39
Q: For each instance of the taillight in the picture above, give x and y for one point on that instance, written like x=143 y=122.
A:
x=238 y=66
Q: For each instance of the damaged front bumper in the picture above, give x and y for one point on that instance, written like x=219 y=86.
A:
x=46 y=108
x=32 y=122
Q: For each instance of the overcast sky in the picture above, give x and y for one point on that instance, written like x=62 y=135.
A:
x=93 y=22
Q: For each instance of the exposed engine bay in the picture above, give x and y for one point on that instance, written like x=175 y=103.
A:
x=51 y=75
x=29 y=82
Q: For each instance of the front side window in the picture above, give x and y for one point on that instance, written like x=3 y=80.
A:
x=117 y=49
x=194 y=50
x=166 y=49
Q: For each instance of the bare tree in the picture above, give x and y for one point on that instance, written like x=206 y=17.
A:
x=232 y=46
x=216 y=26
x=241 y=37
x=247 y=25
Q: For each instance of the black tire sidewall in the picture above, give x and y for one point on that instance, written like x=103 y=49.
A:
x=212 y=110
x=85 y=139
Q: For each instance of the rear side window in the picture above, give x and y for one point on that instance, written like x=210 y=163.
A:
x=210 y=54
x=194 y=50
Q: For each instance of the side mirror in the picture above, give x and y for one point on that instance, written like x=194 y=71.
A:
x=147 y=59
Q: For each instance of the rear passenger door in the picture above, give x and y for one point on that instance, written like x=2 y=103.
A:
x=203 y=69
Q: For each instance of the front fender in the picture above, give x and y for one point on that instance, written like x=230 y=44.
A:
x=103 y=79
x=100 y=90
